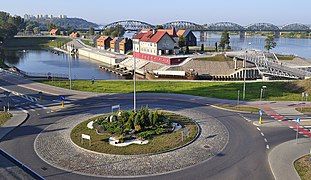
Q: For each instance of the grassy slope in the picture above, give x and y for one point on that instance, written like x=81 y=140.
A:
x=224 y=90
x=215 y=58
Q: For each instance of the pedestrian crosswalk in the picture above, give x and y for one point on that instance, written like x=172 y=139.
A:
x=32 y=108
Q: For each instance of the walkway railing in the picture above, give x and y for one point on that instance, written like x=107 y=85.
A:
x=273 y=67
x=44 y=75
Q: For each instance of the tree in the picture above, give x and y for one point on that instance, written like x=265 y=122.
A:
x=91 y=31
x=202 y=47
x=181 y=41
x=51 y=26
x=225 y=41
x=270 y=43
x=36 y=30
x=160 y=27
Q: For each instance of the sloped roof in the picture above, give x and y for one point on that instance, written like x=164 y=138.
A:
x=171 y=32
x=53 y=31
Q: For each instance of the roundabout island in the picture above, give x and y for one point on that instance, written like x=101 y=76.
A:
x=170 y=141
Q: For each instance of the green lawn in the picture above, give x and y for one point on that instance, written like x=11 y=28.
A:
x=245 y=108
x=306 y=110
x=3 y=65
x=88 y=42
x=303 y=167
x=4 y=117
x=281 y=91
x=157 y=144
x=285 y=57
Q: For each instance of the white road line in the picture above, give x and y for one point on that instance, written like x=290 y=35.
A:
x=262 y=134
x=266 y=140
x=267 y=146
x=25 y=111
x=43 y=107
x=258 y=129
x=291 y=127
x=307 y=126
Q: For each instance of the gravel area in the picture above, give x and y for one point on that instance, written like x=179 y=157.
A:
x=54 y=146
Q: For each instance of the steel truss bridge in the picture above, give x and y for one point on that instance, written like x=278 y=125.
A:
x=134 y=25
x=268 y=65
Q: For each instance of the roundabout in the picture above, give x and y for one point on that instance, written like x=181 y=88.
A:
x=70 y=157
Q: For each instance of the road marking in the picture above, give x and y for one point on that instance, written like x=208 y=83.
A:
x=43 y=107
x=291 y=127
x=25 y=111
x=266 y=140
x=262 y=134
x=267 y=146
x=258 y=129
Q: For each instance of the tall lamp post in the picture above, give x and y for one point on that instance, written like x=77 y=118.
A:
x=244 y=84
x=134 y=76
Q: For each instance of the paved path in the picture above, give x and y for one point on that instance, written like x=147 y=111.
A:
x=18 y=118
x=282 y=157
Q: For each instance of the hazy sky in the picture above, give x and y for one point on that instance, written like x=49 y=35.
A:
x=243 y=12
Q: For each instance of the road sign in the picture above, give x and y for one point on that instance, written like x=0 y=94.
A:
x=62 y=98
x=84 y=136
x=298 y=120
x=260 y=112
x=115 y=107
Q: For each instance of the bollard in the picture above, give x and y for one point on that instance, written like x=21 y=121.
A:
x=62 y=104
x=260 y=120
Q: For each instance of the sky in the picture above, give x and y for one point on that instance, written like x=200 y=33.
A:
x=244 y=12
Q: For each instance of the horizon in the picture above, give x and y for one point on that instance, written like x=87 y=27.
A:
x=206 y=13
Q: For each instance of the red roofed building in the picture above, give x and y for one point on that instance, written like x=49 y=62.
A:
x=54 y=32
x=74 y=35
x=153 y=45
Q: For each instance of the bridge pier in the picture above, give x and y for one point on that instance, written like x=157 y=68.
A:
x=203 y=36
x=242 y=34
x=277 y=34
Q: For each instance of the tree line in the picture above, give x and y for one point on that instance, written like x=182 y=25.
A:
x=10 y=25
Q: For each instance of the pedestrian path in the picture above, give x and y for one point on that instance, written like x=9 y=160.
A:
x=288 y=117
x=18 y=118
x=282 y=157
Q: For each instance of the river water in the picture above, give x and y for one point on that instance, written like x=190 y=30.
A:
x=44 y=61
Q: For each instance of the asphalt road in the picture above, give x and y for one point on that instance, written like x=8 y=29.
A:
x=245 y=156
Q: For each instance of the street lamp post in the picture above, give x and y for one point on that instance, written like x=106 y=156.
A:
x=69 y=76
x=262 y=90
x=244 y=85
x=134 y=76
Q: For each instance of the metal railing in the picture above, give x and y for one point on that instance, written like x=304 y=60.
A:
x=273 y=67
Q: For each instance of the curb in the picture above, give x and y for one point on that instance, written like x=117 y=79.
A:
x=225 y=109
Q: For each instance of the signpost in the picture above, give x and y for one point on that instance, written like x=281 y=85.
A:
x=297 y=130
x=62 y=98
x=115 y=107
x=87 y=137
x=260 y=116
x=7 y=94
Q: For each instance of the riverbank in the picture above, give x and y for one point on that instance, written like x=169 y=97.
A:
x=21 y=43
x=276 y=91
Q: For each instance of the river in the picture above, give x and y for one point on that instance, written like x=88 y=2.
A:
x=44 y=61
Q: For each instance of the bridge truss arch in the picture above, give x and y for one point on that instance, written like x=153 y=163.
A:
x=262 y=27
x=224 y=26
x=183 y=25
x=130 y=25
x=296 y=27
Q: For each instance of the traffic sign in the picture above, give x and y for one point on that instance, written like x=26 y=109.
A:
x=260 y=112
x=62 y=98
x=298 y=120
